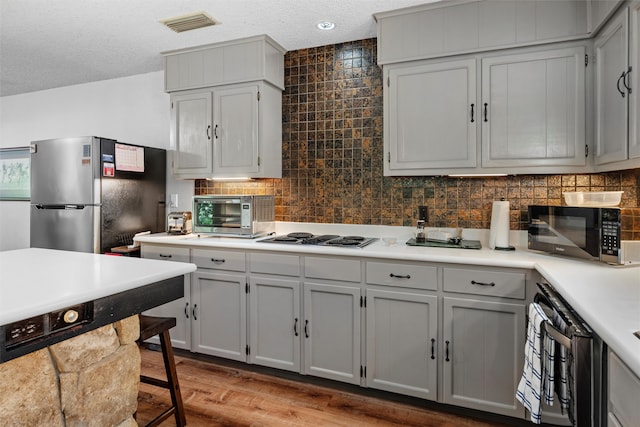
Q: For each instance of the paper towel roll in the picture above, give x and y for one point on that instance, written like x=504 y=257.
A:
x=499 y=231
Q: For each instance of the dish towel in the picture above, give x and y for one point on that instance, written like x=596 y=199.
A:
x=536 y=384
x=562 y=367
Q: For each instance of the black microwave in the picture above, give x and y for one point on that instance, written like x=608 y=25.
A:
x=580 y=232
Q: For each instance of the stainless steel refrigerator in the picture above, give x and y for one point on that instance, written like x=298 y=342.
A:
x=91 y=194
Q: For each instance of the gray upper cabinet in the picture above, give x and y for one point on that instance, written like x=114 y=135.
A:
x=522 y=112
x=457 y=101
x=226 y=109
x=464 y=26
x=254 y=58
x=617 y=50
x=601 y=10
x=533 y=111
x=429 y=116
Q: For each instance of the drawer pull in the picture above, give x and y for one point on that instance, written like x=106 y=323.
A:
x=195 y=312
x=433 y=348
x=295 y=327
x=217 y=261
x=306 y=329
x=396 y=276
x=164 y=256
x=446 y=351
x=473 y=282
x=186 y=310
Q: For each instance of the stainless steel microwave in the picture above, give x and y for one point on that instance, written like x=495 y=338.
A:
x=580 y=232
x=235 y=215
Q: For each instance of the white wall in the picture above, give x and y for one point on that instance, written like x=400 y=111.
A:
x=131 y=109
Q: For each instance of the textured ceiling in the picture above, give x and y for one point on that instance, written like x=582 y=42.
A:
x=52 y=43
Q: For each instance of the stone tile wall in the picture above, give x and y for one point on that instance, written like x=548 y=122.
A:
x=86 y=381
x=332 y=158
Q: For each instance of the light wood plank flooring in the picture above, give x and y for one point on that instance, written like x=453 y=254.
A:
x=219 y=395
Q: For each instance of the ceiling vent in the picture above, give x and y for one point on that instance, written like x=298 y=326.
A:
x=189 y=22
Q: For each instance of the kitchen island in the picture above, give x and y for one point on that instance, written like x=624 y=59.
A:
x=68 y=324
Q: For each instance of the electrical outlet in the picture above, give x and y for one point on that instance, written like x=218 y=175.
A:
x=423 y=213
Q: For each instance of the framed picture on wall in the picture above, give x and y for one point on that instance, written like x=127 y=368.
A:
x=14 y=173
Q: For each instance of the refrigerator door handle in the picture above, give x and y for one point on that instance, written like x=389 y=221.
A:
x=70 y=207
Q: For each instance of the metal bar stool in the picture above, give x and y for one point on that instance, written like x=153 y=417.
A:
x=151 y=326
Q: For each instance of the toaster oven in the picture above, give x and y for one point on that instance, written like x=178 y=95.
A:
x=239 y=216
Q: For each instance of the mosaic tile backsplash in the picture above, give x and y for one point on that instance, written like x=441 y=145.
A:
x=332 y=158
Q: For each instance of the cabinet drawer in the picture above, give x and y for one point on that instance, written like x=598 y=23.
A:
x=286 y=265
x=346 y=270
x=218 y=259
x=165 y=253
x=405 y=275
x=485 y=282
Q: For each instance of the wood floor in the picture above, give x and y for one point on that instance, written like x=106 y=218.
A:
x=218 y=395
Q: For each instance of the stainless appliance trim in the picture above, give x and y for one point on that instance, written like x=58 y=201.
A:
x=586 y=356
x=590 y=233
x=253 y=215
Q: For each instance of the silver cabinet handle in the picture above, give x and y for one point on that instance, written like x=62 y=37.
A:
x=473 y=282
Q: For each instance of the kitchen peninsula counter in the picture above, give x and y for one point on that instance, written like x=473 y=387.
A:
x=36 y=281
x=68 y=331
x=606 y=297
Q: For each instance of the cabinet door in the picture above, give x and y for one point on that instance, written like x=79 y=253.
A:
x=611 y=98
x=402 y=333
x=275 y=325
x=331 y=331
x=180 y=308
x=236 y=130
x=191 y=131
x=533 y=111
x=623 y=390
x=483 y=354
x=219 y=315
x=634 y=78
x=431 y=116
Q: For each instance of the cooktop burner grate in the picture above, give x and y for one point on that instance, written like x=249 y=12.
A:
x=303 y=238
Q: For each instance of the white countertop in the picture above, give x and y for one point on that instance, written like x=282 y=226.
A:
x=606 y=297
x=37 y=281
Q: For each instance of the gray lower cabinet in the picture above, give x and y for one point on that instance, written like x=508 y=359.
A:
x=219 y=322
x=331 y=331
x=402 y=331
x=624 y=389
x=484 y=331
x=274 y=314
x=452 y=334
x=274 y=322
x=219 y=303
x=483 y=354
x=180 y=308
